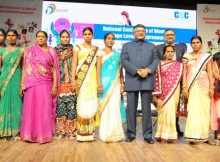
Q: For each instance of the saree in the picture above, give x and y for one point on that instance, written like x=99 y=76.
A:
x=167 y=92
x=199 y=103
x=66 y=102
x=10 y=101
x=38 y=113
x=111 y=105
x=87 y=101
x=215 y=109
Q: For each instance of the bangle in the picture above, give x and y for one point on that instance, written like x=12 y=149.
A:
x=184 y=87
x=54 y=86
x=212 y=87
x=99 y=85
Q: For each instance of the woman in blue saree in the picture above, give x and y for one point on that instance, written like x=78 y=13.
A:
x=110 y=86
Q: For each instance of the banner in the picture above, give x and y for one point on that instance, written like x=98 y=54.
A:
x=24 y=16
x=208 y=26
x=119 y=20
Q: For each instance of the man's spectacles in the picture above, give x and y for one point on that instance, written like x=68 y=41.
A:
x=140 y=31
x=167 y=35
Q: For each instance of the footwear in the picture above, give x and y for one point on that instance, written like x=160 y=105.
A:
x=192 y=143
x=130 y=139
x=149 y=140
x=180 y=134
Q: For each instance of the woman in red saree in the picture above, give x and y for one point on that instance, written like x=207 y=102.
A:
x=166 y=95
x=40 y=80
x=198 y=89
x=215 y=111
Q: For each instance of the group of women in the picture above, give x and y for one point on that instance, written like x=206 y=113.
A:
x=66 y=90
x=195 y=75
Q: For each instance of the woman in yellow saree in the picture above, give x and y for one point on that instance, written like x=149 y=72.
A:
x=86 y=81
x=198 y=88
x=166 y=95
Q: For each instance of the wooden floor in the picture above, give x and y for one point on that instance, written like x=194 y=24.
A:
x=98 y=151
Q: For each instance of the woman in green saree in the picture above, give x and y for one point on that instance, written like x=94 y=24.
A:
x=10 y=77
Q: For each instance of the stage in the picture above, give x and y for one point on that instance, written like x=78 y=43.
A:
x=98 y=151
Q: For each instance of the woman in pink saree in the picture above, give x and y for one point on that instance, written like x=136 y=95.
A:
x=40 y=78
x=166 y=95
x=198 y=89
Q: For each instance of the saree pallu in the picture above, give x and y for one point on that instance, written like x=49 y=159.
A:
x=10 y=101
x=87 y=101
x=38 y=114
x=199 y=103
x=110 y=101
x=167 y=91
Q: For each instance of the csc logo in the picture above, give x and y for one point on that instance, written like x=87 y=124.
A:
x=181 y=15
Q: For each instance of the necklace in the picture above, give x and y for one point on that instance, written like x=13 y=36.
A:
x=194 y=56
x=107 y=52
x=87 y=46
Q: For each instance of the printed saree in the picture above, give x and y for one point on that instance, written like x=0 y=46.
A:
x=111 y=104
x=10 y=101
x=87 y=101
x=167 y=93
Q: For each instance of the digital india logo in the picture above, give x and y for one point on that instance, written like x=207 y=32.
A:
x=51 y=8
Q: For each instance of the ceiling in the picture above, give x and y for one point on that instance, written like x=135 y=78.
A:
x=181 y=4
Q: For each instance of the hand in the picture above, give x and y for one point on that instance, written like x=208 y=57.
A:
x=185 y=94
x=154 y=99
x=122 y=88
x=73 y=85
x=211 y=93
x=21 y=90
x=99 y=88
x=53 y=91
x=143 y=72
x=184 y=61
x=159 y=103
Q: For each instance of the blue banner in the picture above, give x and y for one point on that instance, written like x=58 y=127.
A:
x=153 y=34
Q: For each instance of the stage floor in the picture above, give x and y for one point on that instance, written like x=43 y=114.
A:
x=98 y=151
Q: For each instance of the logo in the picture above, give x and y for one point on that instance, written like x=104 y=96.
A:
x=181 y=15
x=51 y=8
x=206 y=9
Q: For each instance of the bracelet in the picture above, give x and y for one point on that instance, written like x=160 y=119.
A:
x=184 y=87
x=54 y=86
x=99 y=85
